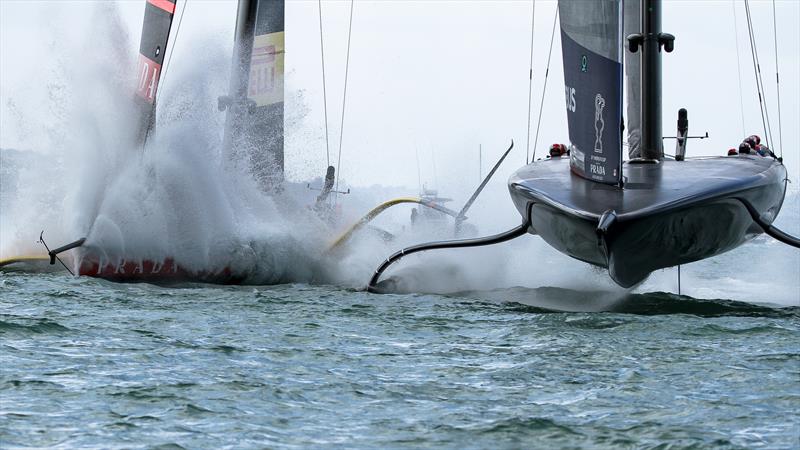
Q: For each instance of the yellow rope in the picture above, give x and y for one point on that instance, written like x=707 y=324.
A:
x=369 y=216
x=22 y=259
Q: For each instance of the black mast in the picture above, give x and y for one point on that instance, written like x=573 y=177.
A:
x=243 y=49
x=236 y=100
x=651 y=40
x=254 y=123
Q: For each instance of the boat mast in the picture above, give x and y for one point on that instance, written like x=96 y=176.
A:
x=243 y=48
x=235 y=101
x=254 y=121
x=651 y=40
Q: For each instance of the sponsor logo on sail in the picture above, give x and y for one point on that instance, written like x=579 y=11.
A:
x=266 y=69
x=599 y=123
x=148 y=73
x=597 y=167
x=570 y=94
x=262 y=71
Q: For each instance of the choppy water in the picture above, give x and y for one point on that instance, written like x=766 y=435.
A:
x=87 y=363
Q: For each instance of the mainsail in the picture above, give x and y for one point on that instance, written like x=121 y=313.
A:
x=158 y=16
x=254 y=125
x=591 y=44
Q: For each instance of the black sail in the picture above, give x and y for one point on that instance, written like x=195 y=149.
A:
x=158 y=15
x=254 y=125
x=591 y=44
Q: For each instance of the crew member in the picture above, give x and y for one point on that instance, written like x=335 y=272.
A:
x=558 y=150
x=744 y=148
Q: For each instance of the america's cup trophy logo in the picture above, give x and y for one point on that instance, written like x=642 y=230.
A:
x=599 y=124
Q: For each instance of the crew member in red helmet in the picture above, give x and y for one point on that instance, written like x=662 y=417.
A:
x=558 y=150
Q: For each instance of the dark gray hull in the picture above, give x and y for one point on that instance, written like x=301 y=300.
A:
x=669 y=213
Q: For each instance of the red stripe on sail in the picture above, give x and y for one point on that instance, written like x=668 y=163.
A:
x=149 y=72
x=166 y=5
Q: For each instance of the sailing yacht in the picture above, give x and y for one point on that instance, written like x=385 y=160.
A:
x=254 y=108
x=649 y=212
x=652 y=211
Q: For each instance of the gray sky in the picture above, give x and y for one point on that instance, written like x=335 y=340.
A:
x=434 y=79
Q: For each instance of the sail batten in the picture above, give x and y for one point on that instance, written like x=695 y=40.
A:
x=591 y=44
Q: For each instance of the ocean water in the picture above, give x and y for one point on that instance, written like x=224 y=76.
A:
x=86 y=363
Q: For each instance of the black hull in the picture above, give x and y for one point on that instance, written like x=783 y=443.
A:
x=669 y=213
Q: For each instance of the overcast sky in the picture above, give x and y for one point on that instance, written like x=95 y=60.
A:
x=430 y=81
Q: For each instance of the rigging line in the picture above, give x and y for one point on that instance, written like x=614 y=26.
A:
x=777 y=80
x=738 y=66
x=770 y=139
x=174 y=42
x=544 y=87
x=344 y=100
x=163 y=78
x=324 y=89
x=760 y=77
x=759 y=82
x=530 y=82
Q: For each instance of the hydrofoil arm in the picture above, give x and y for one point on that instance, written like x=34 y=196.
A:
x=383 y=207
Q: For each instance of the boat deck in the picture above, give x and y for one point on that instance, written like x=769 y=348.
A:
x=649 y=188
x=669 y=213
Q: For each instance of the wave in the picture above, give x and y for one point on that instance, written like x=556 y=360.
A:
x=554 y=299
x=41 y=326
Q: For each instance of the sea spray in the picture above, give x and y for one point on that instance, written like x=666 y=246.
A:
x=184 y=201
x=67 y=118
x=174 y=197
